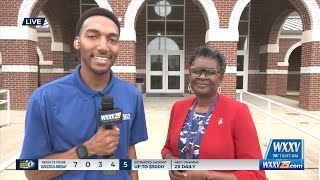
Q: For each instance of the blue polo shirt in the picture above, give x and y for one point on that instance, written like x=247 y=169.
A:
x=63 y=114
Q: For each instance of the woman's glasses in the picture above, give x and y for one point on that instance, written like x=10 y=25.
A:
x=196 y=71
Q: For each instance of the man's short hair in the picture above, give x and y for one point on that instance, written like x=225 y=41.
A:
x=96 y=11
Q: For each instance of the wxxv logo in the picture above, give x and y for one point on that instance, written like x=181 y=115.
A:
x=275 y=164
x=285 y=149
x=284 y=154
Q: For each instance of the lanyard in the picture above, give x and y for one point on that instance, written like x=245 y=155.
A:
x=190 y=148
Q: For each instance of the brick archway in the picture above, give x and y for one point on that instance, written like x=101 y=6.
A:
x=54 y=25
x=311 y=17
x=134 y=6
x=27 y=7
x=290 y=50
x=276 y=27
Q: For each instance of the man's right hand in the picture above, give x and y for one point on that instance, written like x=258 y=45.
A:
x=104 y=142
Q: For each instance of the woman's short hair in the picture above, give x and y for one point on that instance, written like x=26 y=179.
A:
x=211 y=53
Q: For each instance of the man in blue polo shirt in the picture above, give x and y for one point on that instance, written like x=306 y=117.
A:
x=61 y=119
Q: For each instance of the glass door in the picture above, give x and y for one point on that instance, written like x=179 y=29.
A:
x=173 y=75
x=165 y=72
x=155 y=69
x=242 y=68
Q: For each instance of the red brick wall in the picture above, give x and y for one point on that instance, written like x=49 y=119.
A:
x=309 y=97
x=141 y=40
x=119 y=8
x=127 y=54
x=74 y=16
x=44 y=43
x=140 y=47
x=310 y=83
x=284 y=45
x=129 y=77
x=9 y=12
x=256 y=82
x=21 y=86
x=224 y=8
x=126 y=57
x=46 y=77
x=282 y=84
x=310 y=54
x=229 y=49
x=18 y=52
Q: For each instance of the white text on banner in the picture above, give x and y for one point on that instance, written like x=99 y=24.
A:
x=78 y=164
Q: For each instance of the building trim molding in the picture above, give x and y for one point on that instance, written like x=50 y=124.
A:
x=287 y=56
x=310 y=70
x=281 y=36
x=231 y=70
x=19 y=68
x=60 y=46
x=128 y=34
x=18 y=33
x=55 y=71
x=294 y=72
x=221 y=35
x=268 y=72
x=40 y=54
x=140 y=71
x=269 y=48
x=124 y=69
x=276 y=71
x=236 y=13
x=312 y=35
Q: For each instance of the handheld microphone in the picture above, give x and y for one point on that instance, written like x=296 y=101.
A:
x=108 y=117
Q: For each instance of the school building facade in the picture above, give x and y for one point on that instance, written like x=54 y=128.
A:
x=271 y=47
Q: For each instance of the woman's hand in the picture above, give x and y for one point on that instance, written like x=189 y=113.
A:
x=177 y=174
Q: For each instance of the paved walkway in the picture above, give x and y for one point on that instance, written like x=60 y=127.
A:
x=157 y=113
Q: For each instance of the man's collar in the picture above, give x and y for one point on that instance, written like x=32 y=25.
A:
x=85 y=91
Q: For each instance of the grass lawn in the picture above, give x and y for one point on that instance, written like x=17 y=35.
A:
x=292 y=97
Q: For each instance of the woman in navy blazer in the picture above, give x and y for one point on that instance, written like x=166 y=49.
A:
x=210 y=126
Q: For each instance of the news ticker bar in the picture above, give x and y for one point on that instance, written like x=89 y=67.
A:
x=153 y=164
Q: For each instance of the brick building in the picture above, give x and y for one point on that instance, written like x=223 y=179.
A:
x=157 y=37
